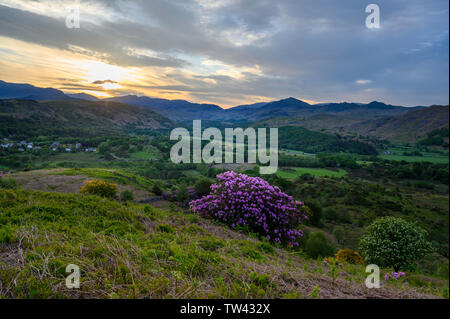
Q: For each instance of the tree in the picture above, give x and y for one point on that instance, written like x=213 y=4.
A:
x=394 y=242
x=103 y=148
x=318 y=245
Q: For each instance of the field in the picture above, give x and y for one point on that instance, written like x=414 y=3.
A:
x=299 y=153
x=398 y=154
x=299 y=171
x=146 y=154
x=412 y=159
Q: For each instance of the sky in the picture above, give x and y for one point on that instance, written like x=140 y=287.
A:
x=230 y=52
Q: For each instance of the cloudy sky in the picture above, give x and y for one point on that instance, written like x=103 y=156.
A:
x=231 y=52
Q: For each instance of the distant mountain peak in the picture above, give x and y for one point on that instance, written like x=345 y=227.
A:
x=83 y=96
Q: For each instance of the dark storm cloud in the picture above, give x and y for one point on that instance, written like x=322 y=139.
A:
x=318 y=50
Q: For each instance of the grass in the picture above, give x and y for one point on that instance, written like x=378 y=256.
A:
x=397 y=155
x=146 y=154
x=295 y=152
x=137 y=251
x=320 y=172
x=143 y=155
x=437 y=159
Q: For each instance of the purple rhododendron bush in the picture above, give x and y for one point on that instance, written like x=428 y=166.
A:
x=251 y=202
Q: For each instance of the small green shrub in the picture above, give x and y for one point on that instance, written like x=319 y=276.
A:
x=314 y=213
x=318 y=245
x=203 y=187
x=126 y=195
x=156 y=189
x=183 y=194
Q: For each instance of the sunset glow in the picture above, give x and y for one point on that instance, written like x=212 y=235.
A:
x=189 y=51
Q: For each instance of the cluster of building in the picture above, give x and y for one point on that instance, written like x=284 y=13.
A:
x=22 y=146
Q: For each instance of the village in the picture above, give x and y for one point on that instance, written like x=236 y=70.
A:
x=23 y=146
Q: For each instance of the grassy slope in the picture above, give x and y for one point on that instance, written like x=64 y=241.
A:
x=408 y=127
x=70 y=180
x=299 y=171
x=134 y=251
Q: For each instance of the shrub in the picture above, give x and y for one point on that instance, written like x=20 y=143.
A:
x=156 y=189
x=394 y=242
x=99 y=188
x=331 y=214
x=443 y=270
x=318 y=245
x=182 y=194
x=126 y=195
x=315 y=213
x=349 y=256
x=203 y=187
x=339 y=234
x=250 y=202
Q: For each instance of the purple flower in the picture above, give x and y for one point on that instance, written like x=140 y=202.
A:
x=238 y=199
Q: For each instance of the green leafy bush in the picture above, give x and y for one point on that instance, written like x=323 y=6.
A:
x=394 y=242
x=126 y=195
x=203 y=187
x=318 y=245
x=183 y=194
x=156 y=189
x=315 y=213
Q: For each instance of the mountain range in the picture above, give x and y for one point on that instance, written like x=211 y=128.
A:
x=378 y=119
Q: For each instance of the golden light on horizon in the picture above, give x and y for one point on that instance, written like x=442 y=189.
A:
x=78 y=71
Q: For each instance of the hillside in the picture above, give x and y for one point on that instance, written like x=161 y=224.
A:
x=177 y=110
x=301 y=139
x=74 y=118
x=27 y=91
x=408 y=127
x=138 y=251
